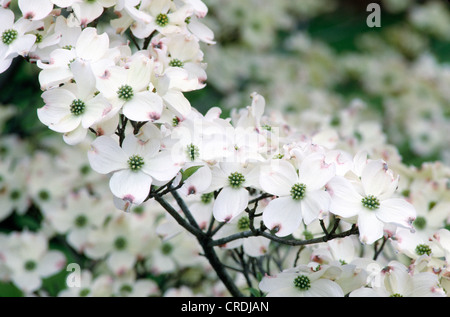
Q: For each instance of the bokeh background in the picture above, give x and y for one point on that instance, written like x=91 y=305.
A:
x=317 y=64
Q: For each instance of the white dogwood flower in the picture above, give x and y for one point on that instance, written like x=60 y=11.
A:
x=134 y=166
x=301 y=195
x=232 y=179
x=370 y=199
x=29 y=259
x=92 y=48
x=73 y=108
x=15 y=39
x=130 y=87
x=303 y=282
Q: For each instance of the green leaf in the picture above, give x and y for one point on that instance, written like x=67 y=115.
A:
x=185 y=174
x=255 y=292
x=8 y=289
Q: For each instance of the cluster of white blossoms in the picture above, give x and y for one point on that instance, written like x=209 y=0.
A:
x=172 y=183
x=398 y=71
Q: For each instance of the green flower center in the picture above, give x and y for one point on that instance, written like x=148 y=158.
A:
x=166 y=248
x=44 y=195
x=302 y=282
x=126 y=289
x=81 y=221
x=176 y=63
x=396 y=295
x=422 y=249
x=120 y=243
x=278 y=156
x=85 y=169
x=298 y=191
x=8 y=36
x=162 y=19
x=192 y=152
x=125 y=92
x=206 y=198
x=420 y=223
x=243 y=223
x=30 y=265
x=15 y=194
x=266 y=127
x=39 y=37
x=67 y=47
x=371 y=202
x=77 y=107
x=236 y=179
x=85 y=292
x=135 y=162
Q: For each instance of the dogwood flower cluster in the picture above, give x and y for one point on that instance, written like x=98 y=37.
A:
x=397 y=83
x=162 y=182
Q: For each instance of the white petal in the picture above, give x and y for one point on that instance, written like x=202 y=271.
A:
x=199 y=182
x=377 y=180
x=426 y=285
x=110 y=80
x=132 y=145
x=87 y=12
x=75 y=136
x=315 y=172
x=57 y=71
x=36 y=9
x=278 y=177
x=283 y=214
x=66 y=124
x=59 y=97
x=256 y=246
x=370 y=228
x=201 y=31
x=6 y=19
x=106 y=156
x=97 y=109
x=78 y=239
x=161 y=166
x=84 y=78
x=345 y=201
x=27 y=282
x=324 y=288
x=121 y=262
x=90 y=45
x=130 y=185
x=230 y=203
x=51 y=263
x=397 y=211
x=5 y=63
x=279 y=284
x=364 y=292
x=144 y=106
x=139 y=73
x=21 y=46
x=313 y=204
x=177 y=102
